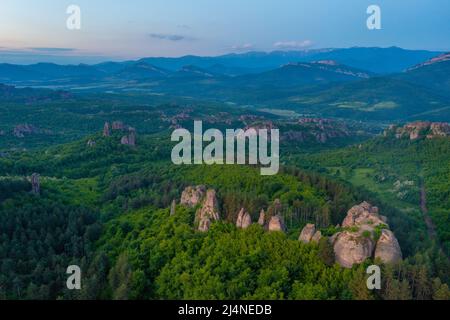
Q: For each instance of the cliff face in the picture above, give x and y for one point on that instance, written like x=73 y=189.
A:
x=419 y=129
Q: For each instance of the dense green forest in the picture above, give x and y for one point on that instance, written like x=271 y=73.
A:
x=106 y=208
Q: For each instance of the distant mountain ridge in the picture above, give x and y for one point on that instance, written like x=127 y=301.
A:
x=374 y=60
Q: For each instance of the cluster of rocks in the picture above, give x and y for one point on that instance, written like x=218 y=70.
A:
x=358 y=239
x=129 y=139
x=419 y=130
x=364 y=232
x=309 y=234
x=317 y=129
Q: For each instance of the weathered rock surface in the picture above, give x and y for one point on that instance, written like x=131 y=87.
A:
x=276 y=223
x=21 y=130
x=192 y=196
x=173 y=207
x=316 y=237
x=204 y=224
x=118 y=125
x=244 y=220
x=357 y=242
x=307 y=233
x=419 y=129
x=209 y=211
x=130 y=139
x=388 y=249
x=361 y=214
x=106 y=130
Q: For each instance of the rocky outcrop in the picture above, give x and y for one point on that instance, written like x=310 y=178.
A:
x=307 y=233
x=192 y=196
x=130 y=138
x=419 y=130
x=276 y=223
x=204 y=224
x=35 y=184
x=363 y=214
x=21 y=130
x=316 y=237
x=209 y=211
x=262 y=217
x=388 y=250
x=357 y=241
x=244 y=219
x=118 y=125
x=106 y=130
x=173 y=207
x=350 y=248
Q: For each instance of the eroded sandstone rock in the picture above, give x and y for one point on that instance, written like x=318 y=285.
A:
x=192 y=196
x=276 y=223
x=357 y=241
x=262 y=218
x=350 y=248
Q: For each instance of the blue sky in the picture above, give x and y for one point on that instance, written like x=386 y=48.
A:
x=35 y=30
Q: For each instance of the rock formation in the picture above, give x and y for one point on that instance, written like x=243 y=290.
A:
x=106 y=130
x=173 y=207
x=130 y=139
x=243 y=220
x=209 y=211
x=351 y=248
x=118 y=125
x=192 y=196
x=21 y=130
x=419 y=129
x=307 y=233
x=276 y=223
x=35 y=184
x=362 y=214
x=357 y=241
x=316 y=237
x=204 y=224
x=388 y=249
x=262 y=218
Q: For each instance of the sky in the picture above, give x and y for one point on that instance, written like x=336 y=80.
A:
x=36 y=31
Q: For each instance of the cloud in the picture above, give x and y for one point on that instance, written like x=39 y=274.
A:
x=52 y=49
x=293 y=44
x=243 y=47
x=169 y=37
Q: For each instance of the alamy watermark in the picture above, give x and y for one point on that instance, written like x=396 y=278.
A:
x=190 y=149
